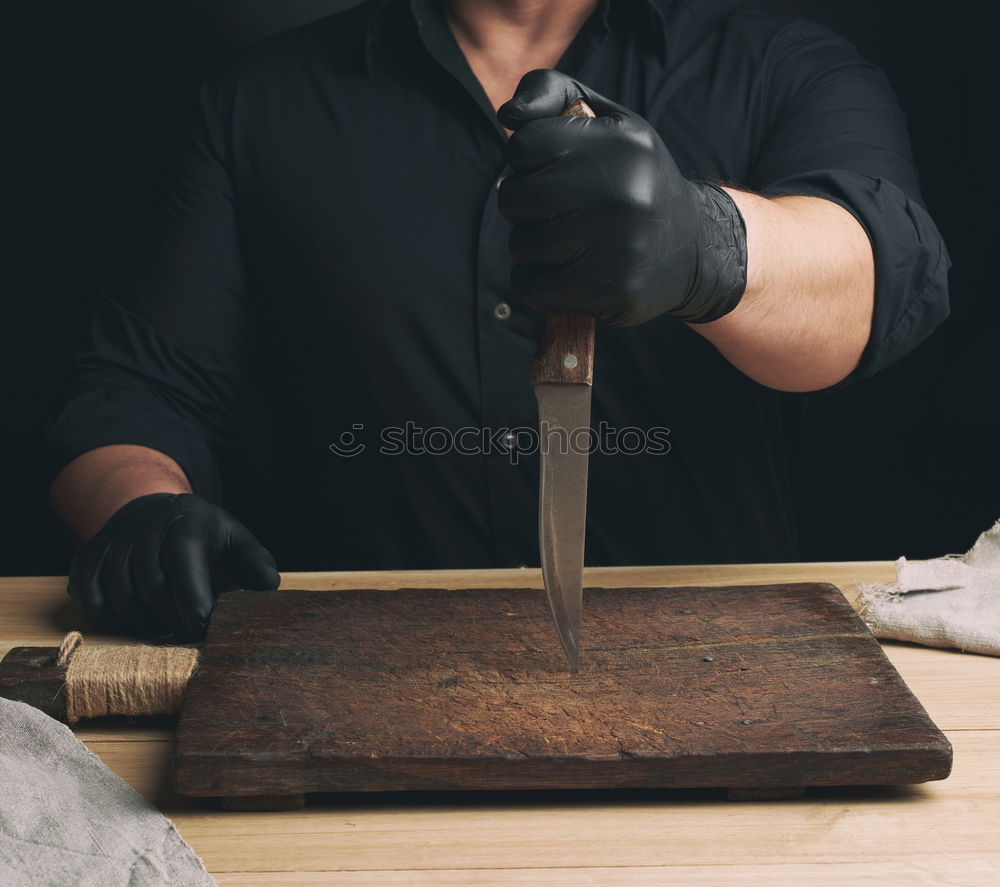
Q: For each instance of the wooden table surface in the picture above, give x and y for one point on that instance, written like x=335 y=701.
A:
x=938 y=833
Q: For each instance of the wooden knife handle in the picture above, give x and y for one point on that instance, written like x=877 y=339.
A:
x=566 y=353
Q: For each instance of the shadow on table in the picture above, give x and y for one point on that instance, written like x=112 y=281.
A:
x=458 y=801
x=588 y=797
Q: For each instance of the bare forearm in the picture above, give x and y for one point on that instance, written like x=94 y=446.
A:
x=96 y=484
x=806 y=315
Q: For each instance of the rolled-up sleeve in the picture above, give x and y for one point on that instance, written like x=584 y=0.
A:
x=164 y=358
x=835 y=130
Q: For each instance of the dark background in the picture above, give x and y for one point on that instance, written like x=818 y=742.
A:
x=903 y=464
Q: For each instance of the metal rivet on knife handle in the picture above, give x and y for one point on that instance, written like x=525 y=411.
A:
x=566 y=353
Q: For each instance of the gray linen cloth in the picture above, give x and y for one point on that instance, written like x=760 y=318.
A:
x=951 y=601
x=67 y=821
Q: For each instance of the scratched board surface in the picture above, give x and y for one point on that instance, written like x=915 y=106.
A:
x=745 y=686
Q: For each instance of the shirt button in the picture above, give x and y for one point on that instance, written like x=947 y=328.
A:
x=502 y=311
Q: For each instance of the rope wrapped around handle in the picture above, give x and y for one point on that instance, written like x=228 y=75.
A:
x=94 y=680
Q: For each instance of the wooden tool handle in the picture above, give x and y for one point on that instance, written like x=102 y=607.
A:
x=101 y=679
x=566 y=353
x=31 y=675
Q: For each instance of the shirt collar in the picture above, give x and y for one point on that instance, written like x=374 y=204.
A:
x=644 y=18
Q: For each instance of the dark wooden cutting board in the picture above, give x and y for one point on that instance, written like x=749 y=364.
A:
x=744 y=687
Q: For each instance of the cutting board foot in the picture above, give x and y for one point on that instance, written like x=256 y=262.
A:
x=781 y=793
x=263 y=803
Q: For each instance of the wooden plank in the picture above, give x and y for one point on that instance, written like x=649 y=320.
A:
x=146 y=767
x=972 y=872
x=960 y=691
x=594 y=830
x=951 y=820
x=844 y=574
x=751 y=686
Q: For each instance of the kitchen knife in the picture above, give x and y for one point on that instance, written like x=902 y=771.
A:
x=562 y=374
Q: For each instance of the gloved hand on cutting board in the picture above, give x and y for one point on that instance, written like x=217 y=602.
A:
x=159 y=561
x=603 y=221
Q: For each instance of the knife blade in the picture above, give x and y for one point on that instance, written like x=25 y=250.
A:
x=562 y=374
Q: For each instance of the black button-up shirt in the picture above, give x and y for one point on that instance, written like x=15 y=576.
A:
x=330 y=253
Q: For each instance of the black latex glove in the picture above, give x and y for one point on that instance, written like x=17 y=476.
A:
x=603 y=221
x=158 y=563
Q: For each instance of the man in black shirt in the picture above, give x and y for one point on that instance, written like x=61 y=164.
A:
x=743 y=217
